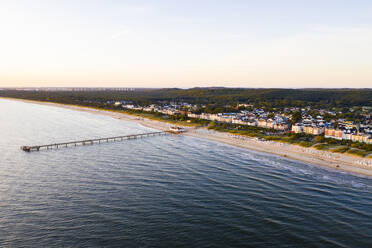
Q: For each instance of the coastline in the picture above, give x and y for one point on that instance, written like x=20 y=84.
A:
x=338 y=161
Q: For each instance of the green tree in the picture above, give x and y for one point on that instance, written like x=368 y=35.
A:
x=296 y=117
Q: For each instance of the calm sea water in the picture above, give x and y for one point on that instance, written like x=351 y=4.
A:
x=166 y=191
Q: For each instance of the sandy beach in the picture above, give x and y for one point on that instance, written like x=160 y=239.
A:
x=344 y=162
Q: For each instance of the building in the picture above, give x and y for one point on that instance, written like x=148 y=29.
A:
x=334 y=133
x=363 y=138
x=281 y=126
x=297 y=128
x=314 y=130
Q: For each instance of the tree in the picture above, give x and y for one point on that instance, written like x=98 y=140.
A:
x=296 y=117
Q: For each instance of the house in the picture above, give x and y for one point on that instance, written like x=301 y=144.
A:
x=298 y=128
x=314 y=130
x=261 y=123
x=334 y=133
x=281 y=126
x=363 y=138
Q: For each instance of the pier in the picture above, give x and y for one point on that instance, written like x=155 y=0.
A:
x=91 y=141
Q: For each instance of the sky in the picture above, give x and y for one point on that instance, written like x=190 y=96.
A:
x=174 y=43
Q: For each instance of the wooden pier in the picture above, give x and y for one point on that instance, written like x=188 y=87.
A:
x=91 y=141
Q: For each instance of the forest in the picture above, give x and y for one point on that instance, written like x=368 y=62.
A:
x=221 y=97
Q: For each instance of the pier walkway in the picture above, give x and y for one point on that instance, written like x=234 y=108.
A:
x=91 y=141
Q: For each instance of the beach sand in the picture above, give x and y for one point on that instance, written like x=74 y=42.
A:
x=338 y=161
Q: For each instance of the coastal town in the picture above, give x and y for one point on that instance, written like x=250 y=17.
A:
x=330 y=122
x=316 y=122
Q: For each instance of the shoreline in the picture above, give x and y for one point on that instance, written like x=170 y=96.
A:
x=337 y=161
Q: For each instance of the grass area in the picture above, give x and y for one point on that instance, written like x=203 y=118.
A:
x=321 y=146
x=340 y=149
x=286 y=140
x=275 y=138
x=305 y=143
x=358 y=152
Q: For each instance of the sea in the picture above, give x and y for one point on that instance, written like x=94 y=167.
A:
x=164 y=191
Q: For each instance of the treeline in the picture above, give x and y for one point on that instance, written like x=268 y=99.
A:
x=220 y=97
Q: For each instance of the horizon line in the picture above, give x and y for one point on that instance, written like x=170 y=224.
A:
x=180 y=88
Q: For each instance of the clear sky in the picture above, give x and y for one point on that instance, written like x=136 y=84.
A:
x=174 y=43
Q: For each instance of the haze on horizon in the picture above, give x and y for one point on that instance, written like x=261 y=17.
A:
x=165 y=43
